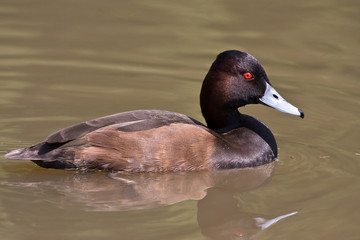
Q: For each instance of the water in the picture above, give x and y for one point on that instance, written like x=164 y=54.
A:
x=62 y=62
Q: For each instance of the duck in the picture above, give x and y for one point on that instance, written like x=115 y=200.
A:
x=163 y=141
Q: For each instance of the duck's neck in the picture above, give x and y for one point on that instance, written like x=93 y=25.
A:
x=219 y=111
x=221 y=120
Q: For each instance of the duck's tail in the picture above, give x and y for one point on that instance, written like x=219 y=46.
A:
x=29 y=153
x=45 y=155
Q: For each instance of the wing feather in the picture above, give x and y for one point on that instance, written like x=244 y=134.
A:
x=127 y=121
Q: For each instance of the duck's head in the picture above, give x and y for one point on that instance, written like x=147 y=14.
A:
x=234 y=80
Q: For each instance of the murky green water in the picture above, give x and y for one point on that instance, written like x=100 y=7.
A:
x=63 y=62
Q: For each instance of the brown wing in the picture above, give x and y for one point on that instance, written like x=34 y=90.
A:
x=145 y=140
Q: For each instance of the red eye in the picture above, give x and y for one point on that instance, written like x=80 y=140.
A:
x=248 y=75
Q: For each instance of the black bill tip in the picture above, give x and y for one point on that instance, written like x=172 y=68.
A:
x=301 y=114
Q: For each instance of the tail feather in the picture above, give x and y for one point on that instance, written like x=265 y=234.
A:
x=23 y=154
x=46 y=155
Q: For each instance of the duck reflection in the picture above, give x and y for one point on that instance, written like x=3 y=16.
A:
x=221 y=217
x=219 y=214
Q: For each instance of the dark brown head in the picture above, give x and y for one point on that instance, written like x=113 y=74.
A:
x=234 y=80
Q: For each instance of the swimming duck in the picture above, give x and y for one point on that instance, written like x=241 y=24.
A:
x=162 y=141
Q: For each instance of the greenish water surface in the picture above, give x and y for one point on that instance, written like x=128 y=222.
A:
x=63 y=62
